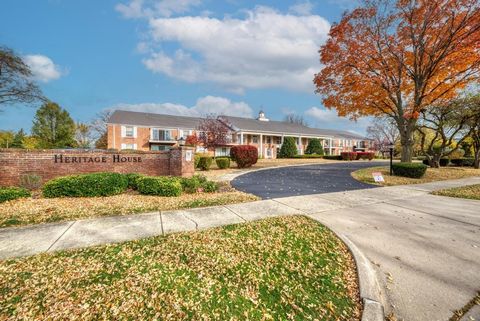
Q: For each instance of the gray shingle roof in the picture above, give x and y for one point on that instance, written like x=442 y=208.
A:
x=249 y=124
x=124 y=117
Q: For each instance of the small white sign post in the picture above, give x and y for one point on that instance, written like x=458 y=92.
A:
x=378 y=177
x=188 y=155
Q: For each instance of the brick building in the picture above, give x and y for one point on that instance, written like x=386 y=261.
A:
x=148 y=131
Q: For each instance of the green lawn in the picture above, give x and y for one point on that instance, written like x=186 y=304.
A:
x=289 y=268
x=470 y=192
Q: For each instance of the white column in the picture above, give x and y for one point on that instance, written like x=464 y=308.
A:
x=241 y=138
x=261 y=145
x=300 y=145
x=331 y=147
x=282 y=139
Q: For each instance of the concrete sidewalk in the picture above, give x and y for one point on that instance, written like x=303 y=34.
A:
x=426 y=248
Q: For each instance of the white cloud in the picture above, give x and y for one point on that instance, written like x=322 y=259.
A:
x=154 y=8
x=325 y=118
x=204 y=106
x=302 y=8
x=43 y=68
x=265 y=49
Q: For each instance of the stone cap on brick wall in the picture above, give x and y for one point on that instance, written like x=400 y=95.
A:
x=88 y=150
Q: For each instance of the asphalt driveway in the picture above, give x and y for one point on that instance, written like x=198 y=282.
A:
x=303 y=180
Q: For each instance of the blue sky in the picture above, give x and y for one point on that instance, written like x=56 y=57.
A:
x=187 y=57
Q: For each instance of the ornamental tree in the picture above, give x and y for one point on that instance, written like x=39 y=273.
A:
x=449 y=124
x=213 y=132
x=395 y=57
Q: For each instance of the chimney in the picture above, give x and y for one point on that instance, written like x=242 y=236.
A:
x=261 y=116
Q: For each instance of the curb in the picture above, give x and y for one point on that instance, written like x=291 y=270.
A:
x=370 y=290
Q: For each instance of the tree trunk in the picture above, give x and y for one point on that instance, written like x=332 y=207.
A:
x=406 y=130
x=406 y=140
x=476 y=163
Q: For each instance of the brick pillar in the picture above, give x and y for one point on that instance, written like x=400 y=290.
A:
x=179 y=165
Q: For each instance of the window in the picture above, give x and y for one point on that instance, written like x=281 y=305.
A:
x=129 y=131
x=159 y=147
x=129 y=146
x=278 y=140
x=269 y=140
x=255 y=139
x=222 y=151
x=161 y=135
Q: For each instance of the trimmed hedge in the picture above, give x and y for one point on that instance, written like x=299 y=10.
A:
x=86 y=185
x=333 y=157
x=133 y=180
x=314 y=147
x=412 y=170
x=12 y=193
x=349 y=155
x=205 y=163
x=365 y=155
x=160 y=186
x=244 y=155
x=222 y=162
x=443 y=162
x=466 y=162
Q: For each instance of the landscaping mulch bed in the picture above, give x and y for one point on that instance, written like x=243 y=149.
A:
x=288 y=268
x=469 y=192
x=432 y=174
x=43 y=210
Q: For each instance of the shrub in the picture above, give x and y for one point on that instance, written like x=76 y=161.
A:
x=412 y=170
x=349 y=155
x=289 y=148
x=132 y=179
x=467 y=162
x=210 y=187
x=223 y=162
x=12 y=193
x=160 y=186
x=31 y=181
x=443 y=162
x=314 y=147
x=86 y=185
x=205 y=162
x=333 y=157
x=196 y=160
x=244 y=155
x=365 y=155
x=192 y=184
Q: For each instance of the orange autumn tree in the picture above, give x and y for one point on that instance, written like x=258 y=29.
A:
x=394 y=58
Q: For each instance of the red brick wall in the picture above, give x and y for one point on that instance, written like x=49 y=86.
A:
x=17 y=162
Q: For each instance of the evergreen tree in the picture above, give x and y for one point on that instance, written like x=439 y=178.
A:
x=18 y=139
x=53 y=127
x=289 y=148
x=314 y=147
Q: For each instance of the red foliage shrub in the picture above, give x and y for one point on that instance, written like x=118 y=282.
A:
x=192 y=140
x=365 y=155
x=244 y=155
x=349 y=155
